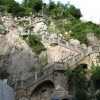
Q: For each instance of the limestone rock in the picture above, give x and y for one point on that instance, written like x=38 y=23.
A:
x=40 y=28
x=18 y=58
x=74 y=41
x=92 y=40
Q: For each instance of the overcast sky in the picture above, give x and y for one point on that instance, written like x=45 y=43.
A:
x=89 y=8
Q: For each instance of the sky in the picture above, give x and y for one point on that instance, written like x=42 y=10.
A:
x=89 y=8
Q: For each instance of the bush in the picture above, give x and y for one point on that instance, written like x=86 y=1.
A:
x=78 y=75
x=34 y=41
x=2 y=31
x=38 y=48
x=81 y=95
x=95 y=71
x=98 y=96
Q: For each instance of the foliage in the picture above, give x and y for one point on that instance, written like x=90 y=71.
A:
x=75 y=12
x=2 y=30
x=36 y=5
x=57 y=11
x=98 y=96
x=43 y=61
x=39 y=47
x=12 y=6
x=78 y=74
x=95 y=71
x=81 y=95
x=77 y=29
x=34 y=41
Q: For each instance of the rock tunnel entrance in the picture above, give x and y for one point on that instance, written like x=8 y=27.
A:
x=43 y=91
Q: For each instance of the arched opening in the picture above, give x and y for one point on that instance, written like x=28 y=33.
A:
x=84 y=66
x=43 y=91
x=65 y=99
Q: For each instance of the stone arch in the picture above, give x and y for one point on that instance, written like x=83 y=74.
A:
x=43 y=91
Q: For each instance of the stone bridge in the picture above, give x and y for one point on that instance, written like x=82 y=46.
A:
x=51 y=81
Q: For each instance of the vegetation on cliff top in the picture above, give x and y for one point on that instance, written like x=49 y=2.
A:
x=66 y=16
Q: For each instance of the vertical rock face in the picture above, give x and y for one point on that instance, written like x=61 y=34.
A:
x=92 y=39
x=58 y=53
x=17 y=57
x=40 y=28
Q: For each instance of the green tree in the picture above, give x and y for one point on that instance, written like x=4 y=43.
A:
x=1 y=2
x=36 y=5
x=75 y=12
x=98 y=96
x=52 y=6
x=12 y=6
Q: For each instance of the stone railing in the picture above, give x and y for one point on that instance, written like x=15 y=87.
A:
x=62 y=43
x=23 y=84
x=51 y=40
x=30 y=19
x=39 y=20
x=56 y=66
x=21 y=19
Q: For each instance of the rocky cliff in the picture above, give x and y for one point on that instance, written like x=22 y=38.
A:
x=18 y=58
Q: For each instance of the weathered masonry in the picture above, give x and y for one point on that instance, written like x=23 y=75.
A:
x=52 y=82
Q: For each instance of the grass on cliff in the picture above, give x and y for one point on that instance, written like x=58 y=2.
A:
x=77 y=29
x=35 y=43
x=2 y=30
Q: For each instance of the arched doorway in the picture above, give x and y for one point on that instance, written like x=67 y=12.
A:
x=43 y=91
x=84 y=66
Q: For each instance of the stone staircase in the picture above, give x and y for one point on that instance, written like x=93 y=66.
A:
x=23 y=84
x=82 y=53
x=63 y=43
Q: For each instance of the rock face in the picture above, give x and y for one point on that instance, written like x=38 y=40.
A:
x=40 y=28
x=58 y=53
x=74 y=41
x=18 y=57
x=92 y=40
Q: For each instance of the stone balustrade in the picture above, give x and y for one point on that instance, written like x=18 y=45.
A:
x=22 y=84
x=56 y=66
x=39 y=20
x=62 y=42
x=22 y=18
